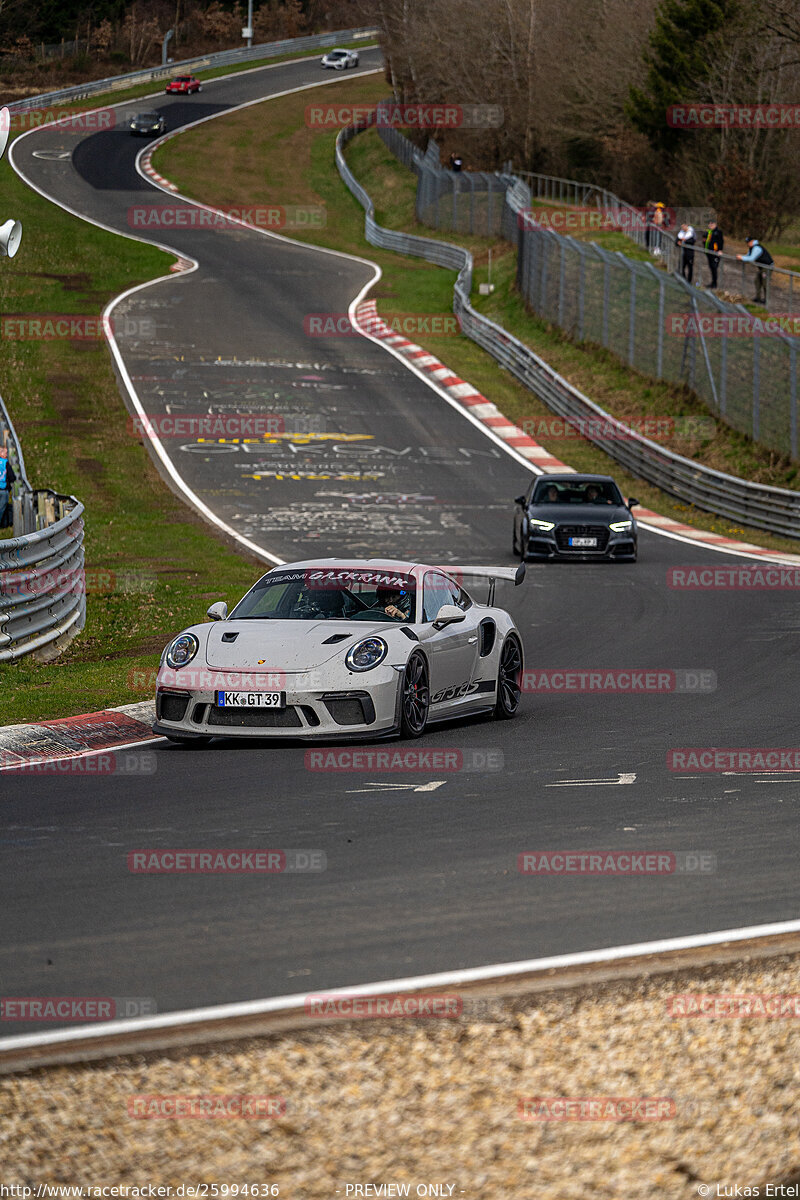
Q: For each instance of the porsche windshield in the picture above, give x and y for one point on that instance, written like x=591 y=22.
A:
x=340 y=594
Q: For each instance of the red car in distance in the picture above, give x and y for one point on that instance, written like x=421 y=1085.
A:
x=182 y=85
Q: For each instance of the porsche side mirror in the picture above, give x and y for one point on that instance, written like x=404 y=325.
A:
x=520 y=500
x=218 y=611
x=449 y=614
x=632 y=502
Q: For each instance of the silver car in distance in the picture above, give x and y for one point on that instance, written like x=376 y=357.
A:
x=334 y=648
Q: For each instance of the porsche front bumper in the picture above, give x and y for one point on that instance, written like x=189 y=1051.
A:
x=359 y=706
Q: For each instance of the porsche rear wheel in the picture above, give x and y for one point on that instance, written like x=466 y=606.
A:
x=416 y=697
x=509 y=688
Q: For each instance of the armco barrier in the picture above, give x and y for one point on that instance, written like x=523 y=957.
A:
x=42 y=592
x=224 y=58
x=774 y=509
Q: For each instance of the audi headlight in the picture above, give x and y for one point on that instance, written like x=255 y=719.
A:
x=366 y=654
x=537 y=524
x=182 y=650
x=620 y=526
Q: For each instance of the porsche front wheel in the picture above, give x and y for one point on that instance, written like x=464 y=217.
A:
x=416 y=697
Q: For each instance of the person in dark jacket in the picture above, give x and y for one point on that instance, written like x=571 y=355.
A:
x=714 y=244
x=7 y=477
x=760 y=255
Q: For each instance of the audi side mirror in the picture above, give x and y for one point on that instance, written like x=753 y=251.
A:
x=632 y=502
x=218 y=611
x=520 y=500
x=449 y=614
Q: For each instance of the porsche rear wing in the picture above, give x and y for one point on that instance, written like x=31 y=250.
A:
x=514 y=574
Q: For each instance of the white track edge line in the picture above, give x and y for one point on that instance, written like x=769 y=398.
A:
x=297 y=1000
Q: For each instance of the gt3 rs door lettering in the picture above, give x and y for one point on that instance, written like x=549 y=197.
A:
x=455 y=693
x=477 y=687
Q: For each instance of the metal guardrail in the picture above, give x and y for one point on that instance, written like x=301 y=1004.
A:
x=774 y=509
x=223 y=58
x=42 y=588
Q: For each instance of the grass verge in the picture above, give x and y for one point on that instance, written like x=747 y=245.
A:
x=282 y=161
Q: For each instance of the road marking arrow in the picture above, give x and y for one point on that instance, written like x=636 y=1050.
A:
x=623 y=777
x=399 y=787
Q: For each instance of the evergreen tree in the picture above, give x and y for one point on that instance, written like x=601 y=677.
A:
x=677 y=64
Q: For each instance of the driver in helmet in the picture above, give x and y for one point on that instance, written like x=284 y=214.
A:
x=394 y=602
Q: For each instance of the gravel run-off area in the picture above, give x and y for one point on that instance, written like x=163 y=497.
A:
x=436 y=1102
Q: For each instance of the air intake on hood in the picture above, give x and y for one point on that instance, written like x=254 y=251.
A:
x=230 y=637
x=336 y=637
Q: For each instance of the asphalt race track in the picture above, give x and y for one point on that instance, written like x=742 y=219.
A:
x=421 y=868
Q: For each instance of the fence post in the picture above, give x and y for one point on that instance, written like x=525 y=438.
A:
x=632 y=318
x=723 y=376
x=533 y=249
x=793 y=398
x=543 y=276
x=561 y=271
x=660 y=349
x=581 y=289
x=756 y=390
x=606 y=299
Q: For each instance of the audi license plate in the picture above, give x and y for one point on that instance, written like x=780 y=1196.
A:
x=583 y=543
x=251 y=699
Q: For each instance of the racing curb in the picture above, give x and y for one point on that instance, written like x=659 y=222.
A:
x=489 y=415
x=70 y=737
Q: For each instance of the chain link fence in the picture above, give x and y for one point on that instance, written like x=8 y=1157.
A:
x=781 y=286
x=743 y=368
x=663 y=326
x=771 y=508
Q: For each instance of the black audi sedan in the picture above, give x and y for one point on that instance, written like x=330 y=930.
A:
x=574 y=516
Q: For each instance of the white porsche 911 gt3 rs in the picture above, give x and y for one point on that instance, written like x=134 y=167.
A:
x=335 y=648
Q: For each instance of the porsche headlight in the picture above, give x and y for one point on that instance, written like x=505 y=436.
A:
x=620 y=526
x=182 y=650
x=366 y=654
x=537 y=524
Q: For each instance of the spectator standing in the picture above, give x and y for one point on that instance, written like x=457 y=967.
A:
x=7 y=477
x=714 y=244
x=685 y=240
x=458 y=162
x=649 y=214
x=761 y=256
x=659 y=216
